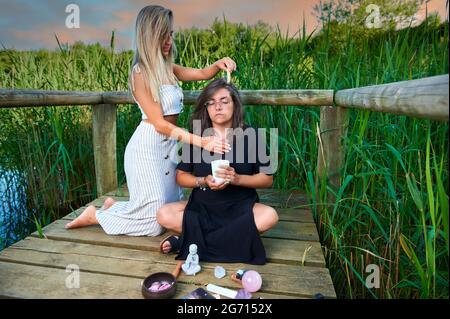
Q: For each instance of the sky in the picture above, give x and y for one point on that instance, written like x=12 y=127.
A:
x=33 y=24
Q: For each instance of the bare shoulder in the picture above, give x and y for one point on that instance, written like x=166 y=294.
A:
x=136 y=68
x=138 y=76
x=141 y=92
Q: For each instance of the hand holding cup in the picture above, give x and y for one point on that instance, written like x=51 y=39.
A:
x=214 y=184
x=228 y=174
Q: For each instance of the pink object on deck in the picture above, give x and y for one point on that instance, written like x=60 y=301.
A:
x=251 y=281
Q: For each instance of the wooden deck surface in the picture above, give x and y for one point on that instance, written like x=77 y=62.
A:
x=114 y=266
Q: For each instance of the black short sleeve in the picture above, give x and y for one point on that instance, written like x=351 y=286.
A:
x=264 y=162
x=186 y=163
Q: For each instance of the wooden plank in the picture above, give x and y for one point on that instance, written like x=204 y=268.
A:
x=271 y=197
x=104 y=143
x=277 y=279
x=27 y=97
x=284 y=214
x=16 y=280
x=277 y=250
x=422 y=98
x=282 y=230
x=276 y=97
x=26 y=281
x=293 y=230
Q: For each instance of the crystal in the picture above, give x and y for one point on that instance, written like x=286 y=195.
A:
x=219 y=272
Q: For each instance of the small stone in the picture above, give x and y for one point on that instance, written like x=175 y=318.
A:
x=243 y=294
x=164 y=286
x=219 y=272
x=155 y=286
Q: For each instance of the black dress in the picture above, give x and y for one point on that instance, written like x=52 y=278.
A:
x=221 y=223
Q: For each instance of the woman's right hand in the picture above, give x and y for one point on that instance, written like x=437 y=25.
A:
x=213 y=185
x=215 y=144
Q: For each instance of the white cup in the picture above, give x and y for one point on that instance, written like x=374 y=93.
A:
x=216 y=165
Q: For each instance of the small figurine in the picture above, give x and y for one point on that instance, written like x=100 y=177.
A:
x=191 y=266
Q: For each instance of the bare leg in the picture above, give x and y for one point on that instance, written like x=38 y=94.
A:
x=265 y=217
x=170 y=216
x=108 y=203
x=86 y=218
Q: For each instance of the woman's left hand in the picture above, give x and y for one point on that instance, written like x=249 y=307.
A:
x=226 y=64
x=228 y=174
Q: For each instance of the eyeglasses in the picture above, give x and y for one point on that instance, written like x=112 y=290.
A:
x=222 y=102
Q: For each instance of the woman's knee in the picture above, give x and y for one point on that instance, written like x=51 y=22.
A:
x=163 y=215
x=265 y=217
x=272 y=216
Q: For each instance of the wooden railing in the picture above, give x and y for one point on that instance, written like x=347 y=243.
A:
x=423 y=98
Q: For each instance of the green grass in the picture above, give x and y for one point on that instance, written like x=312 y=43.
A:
x=392 y=208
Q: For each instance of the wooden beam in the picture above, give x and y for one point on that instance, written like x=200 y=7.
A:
x=26 y=98
x=104 y=143
x=423 y=98
x=277 y=97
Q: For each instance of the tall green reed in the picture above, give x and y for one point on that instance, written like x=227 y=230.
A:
x=392 y=208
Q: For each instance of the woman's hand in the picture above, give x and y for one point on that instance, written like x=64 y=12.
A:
x=212 y=183
x=215 y=144
x=228 y=174
x=226 y=64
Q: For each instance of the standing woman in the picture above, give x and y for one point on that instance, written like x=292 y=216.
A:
x=149 y=170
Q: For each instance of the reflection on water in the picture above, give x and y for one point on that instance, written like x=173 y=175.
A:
x=13 y=211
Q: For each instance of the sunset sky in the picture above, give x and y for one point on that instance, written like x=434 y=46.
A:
x=31 y=24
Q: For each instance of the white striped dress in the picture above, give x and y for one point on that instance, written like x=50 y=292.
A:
x=150 y=162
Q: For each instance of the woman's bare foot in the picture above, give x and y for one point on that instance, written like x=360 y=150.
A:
x=166 y=246
x=108 y=203
x=86 y=218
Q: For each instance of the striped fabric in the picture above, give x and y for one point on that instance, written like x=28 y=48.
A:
x=150 y=162
x=171 y=96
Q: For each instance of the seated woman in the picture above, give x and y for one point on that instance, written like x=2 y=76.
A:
x=224 y=219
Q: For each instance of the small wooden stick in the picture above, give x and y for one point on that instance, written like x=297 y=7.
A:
x=177 y=269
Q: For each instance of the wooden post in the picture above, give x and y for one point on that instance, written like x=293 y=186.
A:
x=104 y=142
x=330 y=159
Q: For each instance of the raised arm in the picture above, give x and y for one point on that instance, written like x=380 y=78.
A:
x=190 y=74
x=155 y=117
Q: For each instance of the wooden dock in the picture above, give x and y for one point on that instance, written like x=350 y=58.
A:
x=114 y=266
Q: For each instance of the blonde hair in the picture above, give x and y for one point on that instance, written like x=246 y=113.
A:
x=153 y=26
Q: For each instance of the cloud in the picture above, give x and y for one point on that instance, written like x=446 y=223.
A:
x=29 y=24
x=45 y=35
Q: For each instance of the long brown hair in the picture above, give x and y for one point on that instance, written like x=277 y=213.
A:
x=201 y=112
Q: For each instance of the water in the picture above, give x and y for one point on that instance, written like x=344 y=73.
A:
x=13 y=212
